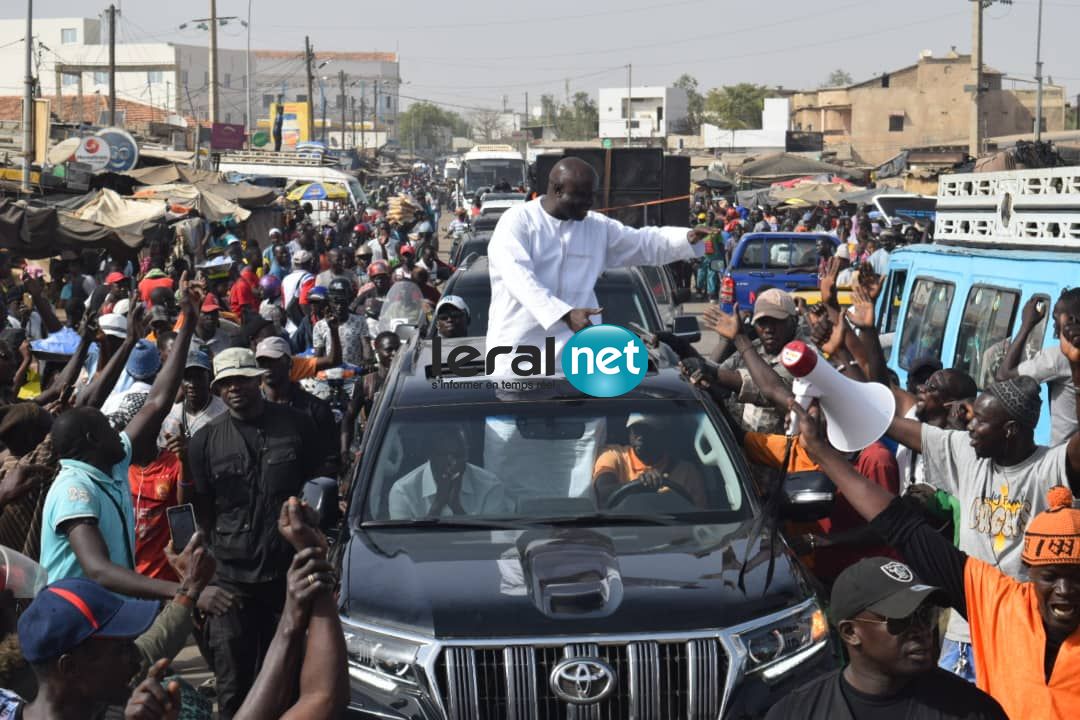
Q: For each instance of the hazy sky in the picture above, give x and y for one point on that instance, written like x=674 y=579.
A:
x=472 y=53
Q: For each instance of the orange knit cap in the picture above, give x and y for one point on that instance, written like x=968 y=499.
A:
x=1053 y=537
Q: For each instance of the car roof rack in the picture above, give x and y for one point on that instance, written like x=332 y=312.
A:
x=1021 y=209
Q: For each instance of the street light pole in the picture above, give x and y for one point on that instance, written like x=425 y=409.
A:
x=28 y=99
x=1038 y=77
x=975 y=126
x=247 y=82
x=213 y=64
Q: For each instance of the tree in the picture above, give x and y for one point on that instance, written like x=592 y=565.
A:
x=580 y=120
x=426 y=126
x=837 y=78
x=736 y=107
x=695 y=102
x=485 y=123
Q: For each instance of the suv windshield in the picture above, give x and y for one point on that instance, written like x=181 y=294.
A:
x=554 y=460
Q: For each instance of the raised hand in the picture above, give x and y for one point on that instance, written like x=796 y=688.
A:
x=870 y=281
x=727 y=325
x=862 y=310
x=151 y=701
x=1070 y=343
x=298 y=524
x=1034 y=311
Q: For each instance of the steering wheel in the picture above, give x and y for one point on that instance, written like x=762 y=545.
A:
x=636 y=487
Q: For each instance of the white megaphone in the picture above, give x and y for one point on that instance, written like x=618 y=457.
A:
x=856 y=413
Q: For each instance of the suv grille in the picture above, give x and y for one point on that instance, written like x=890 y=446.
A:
x=656 y=680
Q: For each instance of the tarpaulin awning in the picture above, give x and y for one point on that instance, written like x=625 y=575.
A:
x=32 y=231
x=129 y=218
x=786 y=166
x=243 y=194
x=811 y=192
x=206 y=201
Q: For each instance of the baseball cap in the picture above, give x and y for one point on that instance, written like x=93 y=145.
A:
x=275 y=232
x=301 y=257
x=453 y=301
x=273 y=348
x=67 y=613
x=122 y=307
x=773 y=303
x=113 y=325
x=641 y=419
x=879 y=584
x=236 y=362
x=210 y=303
x=198 y=359
x=115 y=277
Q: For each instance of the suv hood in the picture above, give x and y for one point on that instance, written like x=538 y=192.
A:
x=558 y=581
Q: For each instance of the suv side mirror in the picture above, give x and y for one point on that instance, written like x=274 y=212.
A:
x=321 y=494
x=718 y=265
x=807 y=496
x=685 y=327
x=680 y=296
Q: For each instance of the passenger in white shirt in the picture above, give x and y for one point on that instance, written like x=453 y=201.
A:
x=546 y=255
x=448 y=485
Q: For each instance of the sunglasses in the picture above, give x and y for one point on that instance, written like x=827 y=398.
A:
x=925 y=617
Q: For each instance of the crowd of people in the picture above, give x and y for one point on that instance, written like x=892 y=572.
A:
x=197 y=375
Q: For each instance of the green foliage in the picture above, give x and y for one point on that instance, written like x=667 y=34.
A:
x=580 y=120
x=737 y=107
x=838 y=78
x=424 y=125
x=695 y=104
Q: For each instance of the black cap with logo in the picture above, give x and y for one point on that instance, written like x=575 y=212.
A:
x=881 y=585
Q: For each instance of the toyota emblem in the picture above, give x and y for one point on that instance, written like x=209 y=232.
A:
x=582 y=681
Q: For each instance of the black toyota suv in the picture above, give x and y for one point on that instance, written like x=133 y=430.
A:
x=542 y=597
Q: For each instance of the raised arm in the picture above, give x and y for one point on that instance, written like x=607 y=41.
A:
x=628 y=246
x=67 y=376
x=1070 y=347
x=768 y=383
x=94 y=394
x=49 y=321
x=143 y=429
x=325 y=362
x=1031 y=316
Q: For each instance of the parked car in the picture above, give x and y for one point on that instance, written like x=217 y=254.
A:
x=470 y=244
x=496 y=203
x=624 y=294
x=501 y=614
x=775 y=260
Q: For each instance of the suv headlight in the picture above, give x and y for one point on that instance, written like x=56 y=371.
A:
x=381 y=660
x=779 y=646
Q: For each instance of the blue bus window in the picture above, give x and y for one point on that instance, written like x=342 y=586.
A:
x=924 y=323
x=984 y=327
x=995 y=354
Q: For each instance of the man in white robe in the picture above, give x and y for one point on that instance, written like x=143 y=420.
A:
x=546 y=255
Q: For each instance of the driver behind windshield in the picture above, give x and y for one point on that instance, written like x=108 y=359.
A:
x=447 y=484
x=646 y=460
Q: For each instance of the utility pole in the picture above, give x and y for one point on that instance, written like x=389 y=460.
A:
x=112 y=65
x=363 y=106
x=28 y=99
x=1038 y=77
x=213 y=64
x=375 y=117
x=344 y=103
x=629 y=103
x=975 y=127
x=309 y=57
x=352 y=102
x=248 y=121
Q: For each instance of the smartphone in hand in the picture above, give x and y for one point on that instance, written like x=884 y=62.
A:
x=181 y=525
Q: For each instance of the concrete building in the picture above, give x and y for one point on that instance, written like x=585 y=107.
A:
x=72 y=59
x=775 y=119
x=372 y=81
x=655 y=112
x=921 y=105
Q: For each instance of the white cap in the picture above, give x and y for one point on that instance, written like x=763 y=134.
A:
x=113 y=325
x=300 y=257
x=122 y=306
x=454 y=300
x=842 y=252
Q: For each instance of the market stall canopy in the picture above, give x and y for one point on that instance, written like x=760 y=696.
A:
x=711 y=179
x=205 y=200
x=318 y=191
x=34 y=231
x=786 y=166
x=811 y=192
x=129 y=218
x=243 y=194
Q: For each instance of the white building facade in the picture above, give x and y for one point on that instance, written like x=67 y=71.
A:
x=655 y=112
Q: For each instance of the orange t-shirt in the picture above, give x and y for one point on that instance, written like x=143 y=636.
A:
x=1009 y=642
x=624 y=463
x=302 y=367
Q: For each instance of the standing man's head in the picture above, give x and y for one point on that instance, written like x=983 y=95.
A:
x=336 y=259
x=379 y=275
x=1004 y=417
x=281 y=256
x=825 y=247
x=363 y=256
x=79 y=639
x=1066 y=309
x=236 y=379
x=195 y=383
x=84 y=434
x=775 y=319
x=209 y=318
x=386 y=346
x=117 y=283
x=939 y=392
x=571 y=189
x=303 y=260
x=274 y=356
x=452 y=317
x=1051 y=555
x=112 y=329
x=886 y=618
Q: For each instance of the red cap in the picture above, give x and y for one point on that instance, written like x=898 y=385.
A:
x=210 y=303
x=115 y=277
x=799 y=359
x=408 y=250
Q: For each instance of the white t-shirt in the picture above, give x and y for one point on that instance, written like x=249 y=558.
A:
x=1050 y=366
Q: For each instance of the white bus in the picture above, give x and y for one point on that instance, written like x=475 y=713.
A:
x=485 y=166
